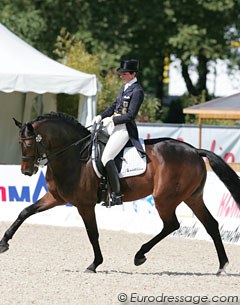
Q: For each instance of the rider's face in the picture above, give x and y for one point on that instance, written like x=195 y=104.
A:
x=127 y=76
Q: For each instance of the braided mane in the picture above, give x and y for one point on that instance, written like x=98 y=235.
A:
x=61 y=117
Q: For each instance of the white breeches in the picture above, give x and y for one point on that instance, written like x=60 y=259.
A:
x=118 y=138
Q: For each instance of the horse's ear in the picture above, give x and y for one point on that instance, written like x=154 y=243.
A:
x=17 y=123
x=29 y=126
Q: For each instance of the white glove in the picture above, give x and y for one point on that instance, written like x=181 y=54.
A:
x=107 y=121
x=97 y=119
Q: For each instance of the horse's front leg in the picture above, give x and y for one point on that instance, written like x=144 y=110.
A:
x=89 y=218
x=43 y=204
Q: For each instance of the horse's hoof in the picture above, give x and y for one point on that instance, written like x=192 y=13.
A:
x=139 y=261
x=90 y=271
x=222 y=271
x=4 y=247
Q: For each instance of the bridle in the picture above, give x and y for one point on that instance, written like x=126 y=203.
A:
x=36 y=148
x=42 y=159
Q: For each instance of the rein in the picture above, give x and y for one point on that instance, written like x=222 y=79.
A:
x=44 y=158
x=63 y=150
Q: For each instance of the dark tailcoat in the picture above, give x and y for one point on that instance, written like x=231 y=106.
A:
x=126 y=106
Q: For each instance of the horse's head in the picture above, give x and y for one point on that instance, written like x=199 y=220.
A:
x=29 y=141
x=60 y=136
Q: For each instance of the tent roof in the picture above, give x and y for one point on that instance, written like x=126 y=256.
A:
x=220 y=108
x=25 y=69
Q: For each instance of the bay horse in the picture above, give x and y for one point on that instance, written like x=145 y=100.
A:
x=175 y=173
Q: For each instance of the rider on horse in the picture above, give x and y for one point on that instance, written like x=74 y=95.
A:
x=119 y=122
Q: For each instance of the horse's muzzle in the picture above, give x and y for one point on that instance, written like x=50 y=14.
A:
x=29 y=171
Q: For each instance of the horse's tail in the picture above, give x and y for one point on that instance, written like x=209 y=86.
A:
x=225 y=173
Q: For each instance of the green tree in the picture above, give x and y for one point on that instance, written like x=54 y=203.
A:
x=39 y=22
x=117 y=29
x=131 y=29
x=23 y=18
x=203 y=29
x=72 y=52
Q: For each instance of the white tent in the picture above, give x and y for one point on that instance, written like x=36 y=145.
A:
x=29 y=81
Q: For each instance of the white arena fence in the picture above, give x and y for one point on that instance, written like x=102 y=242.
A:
x=18 y=191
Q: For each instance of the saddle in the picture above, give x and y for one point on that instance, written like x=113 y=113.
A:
x=129 y=161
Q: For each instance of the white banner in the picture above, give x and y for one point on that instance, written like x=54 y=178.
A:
x=18 y=191
x=224 y=141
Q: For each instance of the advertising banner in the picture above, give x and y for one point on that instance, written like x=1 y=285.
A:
x=18 y=191
x=224 y=141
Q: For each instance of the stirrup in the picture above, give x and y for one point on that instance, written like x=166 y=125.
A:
x=115 y=199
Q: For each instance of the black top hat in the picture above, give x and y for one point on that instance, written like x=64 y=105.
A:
x=130 y=65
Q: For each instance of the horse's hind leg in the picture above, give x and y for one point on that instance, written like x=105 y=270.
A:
x=46 y=202
x=211 y=225
x=170 y=224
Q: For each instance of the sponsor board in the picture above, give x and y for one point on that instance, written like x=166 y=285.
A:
x=18 y=191
x=224 y=141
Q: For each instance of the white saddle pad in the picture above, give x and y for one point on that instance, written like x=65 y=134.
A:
x=133 y=164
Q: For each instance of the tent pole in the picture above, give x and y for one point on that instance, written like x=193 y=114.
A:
x=199 y=132
x=24 y=102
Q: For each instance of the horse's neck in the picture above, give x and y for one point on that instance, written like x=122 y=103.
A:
x=71 y=177
x=71 y=156
x=60 y=136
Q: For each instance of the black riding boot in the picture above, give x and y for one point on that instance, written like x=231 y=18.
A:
x=112 y=174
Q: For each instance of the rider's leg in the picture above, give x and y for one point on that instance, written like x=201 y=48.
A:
x=112 y=173
x=116 y=142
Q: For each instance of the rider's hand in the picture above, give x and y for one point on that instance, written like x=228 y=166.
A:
x=107 y=121
x=97 y=119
